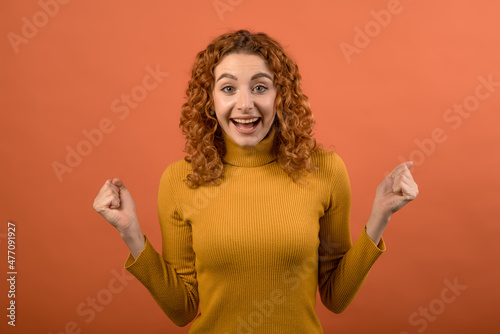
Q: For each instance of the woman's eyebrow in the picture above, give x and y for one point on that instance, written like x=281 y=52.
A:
x=261 y=75
x=255 y=76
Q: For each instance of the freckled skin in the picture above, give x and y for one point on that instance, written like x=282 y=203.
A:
x=242 y=96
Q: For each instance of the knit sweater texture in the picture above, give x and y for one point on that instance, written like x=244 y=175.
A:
x=251 y=253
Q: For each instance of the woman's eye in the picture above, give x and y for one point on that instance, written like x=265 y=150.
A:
x=227 y=89
x=260 y=88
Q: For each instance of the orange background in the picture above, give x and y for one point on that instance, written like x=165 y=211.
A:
x=373 y=106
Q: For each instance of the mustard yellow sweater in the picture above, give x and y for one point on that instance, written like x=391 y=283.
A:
x=252 y=252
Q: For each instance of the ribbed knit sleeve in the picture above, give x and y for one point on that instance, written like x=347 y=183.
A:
x=343 y=267
x=170 y=277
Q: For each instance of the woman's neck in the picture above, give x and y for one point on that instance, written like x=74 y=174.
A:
x=249 y=156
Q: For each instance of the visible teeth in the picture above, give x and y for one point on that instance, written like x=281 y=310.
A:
x=245 y=120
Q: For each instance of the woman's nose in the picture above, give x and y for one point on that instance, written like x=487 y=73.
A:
x=245 y=100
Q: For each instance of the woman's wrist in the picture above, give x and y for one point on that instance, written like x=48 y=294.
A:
x=376 y=225
x=134 y=238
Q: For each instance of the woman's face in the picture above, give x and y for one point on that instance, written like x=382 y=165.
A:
x=244 y=96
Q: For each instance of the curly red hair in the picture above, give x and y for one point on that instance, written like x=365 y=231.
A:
x=293 y=142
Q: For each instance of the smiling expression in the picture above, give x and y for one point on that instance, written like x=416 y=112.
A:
x=244 y=96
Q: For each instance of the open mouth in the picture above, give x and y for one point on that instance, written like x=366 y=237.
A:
x=246 y=124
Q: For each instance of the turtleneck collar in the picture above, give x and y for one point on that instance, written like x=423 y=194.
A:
x=251 y=156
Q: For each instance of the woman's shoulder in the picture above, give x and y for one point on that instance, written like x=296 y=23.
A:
x=331 y=171
x=180 y=165
x=327 y=160
x=176 y=170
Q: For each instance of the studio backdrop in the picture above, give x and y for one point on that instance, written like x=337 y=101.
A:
x=92 y=90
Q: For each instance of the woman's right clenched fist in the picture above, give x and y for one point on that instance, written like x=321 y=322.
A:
x=116 y=205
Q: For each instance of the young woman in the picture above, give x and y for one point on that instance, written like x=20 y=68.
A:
x=256 y=217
